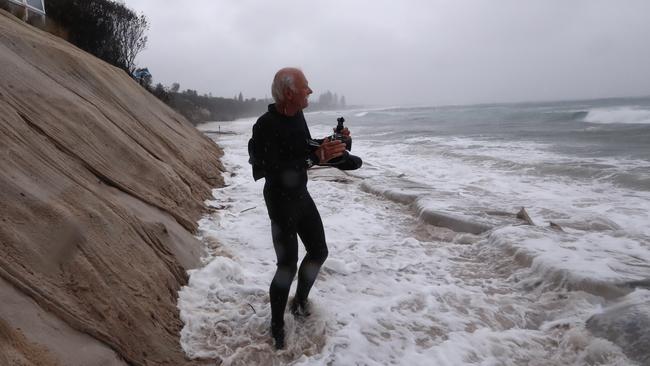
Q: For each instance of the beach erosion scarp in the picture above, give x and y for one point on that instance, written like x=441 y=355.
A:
x=101 y=186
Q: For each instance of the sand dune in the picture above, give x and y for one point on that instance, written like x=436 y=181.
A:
x=100 y=187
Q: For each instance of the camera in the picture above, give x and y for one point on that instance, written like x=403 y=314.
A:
x=338 y=135
x=339 y=125
x=345 y=162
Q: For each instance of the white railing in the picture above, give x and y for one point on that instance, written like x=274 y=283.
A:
x=34 y=5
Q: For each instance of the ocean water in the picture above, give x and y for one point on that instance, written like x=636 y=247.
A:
x=428 y=264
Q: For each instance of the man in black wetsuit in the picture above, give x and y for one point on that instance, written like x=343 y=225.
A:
x=282 y=156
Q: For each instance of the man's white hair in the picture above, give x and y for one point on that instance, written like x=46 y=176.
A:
x=284 y=79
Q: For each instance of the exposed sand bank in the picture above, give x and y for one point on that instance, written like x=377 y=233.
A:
x=101 y=185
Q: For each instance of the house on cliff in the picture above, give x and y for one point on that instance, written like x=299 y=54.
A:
x=27 y=9
x=31 y=5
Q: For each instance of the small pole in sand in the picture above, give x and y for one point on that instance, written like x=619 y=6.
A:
x=25 y=12
x=523 y=215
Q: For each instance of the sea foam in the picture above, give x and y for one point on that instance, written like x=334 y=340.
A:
x=397 y=290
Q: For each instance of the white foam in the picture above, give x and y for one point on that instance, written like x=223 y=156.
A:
x=619 y=115
x=467 y=188
x=389 y=293
x=577 y=256
x=504 y=181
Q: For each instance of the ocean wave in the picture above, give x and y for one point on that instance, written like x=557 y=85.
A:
x=626 y=115
x=602 y=263
x=418 y=293
x=474 y=220
x=534 y=159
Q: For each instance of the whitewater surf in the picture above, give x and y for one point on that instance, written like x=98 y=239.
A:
x=428 y=263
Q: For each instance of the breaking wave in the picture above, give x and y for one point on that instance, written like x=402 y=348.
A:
x=627 y=115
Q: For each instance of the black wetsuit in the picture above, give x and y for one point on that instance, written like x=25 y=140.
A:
x=283 y=156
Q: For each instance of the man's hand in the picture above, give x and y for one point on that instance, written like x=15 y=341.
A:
x=330 y=149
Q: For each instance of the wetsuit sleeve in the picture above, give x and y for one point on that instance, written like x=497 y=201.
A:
x=312 y=158
x=267 y=149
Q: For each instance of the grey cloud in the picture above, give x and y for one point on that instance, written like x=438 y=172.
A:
x=406 y=52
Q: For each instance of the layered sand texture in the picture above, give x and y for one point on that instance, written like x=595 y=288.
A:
x=101 y=186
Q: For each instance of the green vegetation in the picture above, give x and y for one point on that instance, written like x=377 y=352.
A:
x=104 y=28
x=204 y=108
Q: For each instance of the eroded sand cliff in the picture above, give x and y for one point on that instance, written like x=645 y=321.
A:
x=100 y=187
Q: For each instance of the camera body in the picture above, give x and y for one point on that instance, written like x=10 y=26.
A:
x=339 y=125
x=347 y=161
x=338 y=135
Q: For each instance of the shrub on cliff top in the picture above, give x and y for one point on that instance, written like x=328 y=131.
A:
x=104 y=28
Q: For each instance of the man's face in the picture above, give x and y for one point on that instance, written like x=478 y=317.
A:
x=301 y=94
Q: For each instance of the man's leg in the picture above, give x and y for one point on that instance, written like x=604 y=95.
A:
x=285 y=244
x=310 y=229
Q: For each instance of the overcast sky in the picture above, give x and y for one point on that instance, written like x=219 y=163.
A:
x=390 y=52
